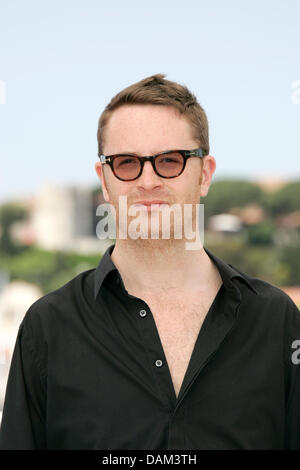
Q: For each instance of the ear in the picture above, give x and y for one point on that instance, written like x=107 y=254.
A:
x=208 y=169
x=99 y=167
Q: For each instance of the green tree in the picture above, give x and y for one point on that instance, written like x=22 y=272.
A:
x=284 y=200
x=9 y=214
x=261 y=233
x=262 y=262
x=223 y=195
x=290 y=256
x=48 y=269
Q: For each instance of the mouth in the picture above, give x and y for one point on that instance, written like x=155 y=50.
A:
x=158 y=204
x=147 y=203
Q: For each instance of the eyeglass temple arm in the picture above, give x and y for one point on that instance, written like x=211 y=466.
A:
x=104 y=159
x=198 y=153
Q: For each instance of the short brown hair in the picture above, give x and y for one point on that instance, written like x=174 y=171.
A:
x=157 y=90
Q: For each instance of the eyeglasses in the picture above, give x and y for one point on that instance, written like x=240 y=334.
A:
x=169 y=164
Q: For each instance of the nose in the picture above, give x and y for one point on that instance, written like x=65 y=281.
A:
x=149 y=179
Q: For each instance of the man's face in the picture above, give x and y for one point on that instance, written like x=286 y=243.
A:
x=147 y=130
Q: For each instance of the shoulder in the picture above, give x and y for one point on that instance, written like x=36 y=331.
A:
x=58 y=305
x=267 y=295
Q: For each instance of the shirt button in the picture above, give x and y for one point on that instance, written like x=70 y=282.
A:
x=143 y=313
x=158 y=363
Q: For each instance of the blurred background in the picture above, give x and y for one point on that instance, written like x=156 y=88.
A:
x=60 y=64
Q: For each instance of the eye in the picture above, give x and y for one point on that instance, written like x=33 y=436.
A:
x=173 y=157
x=126 y=161
x=169 y=159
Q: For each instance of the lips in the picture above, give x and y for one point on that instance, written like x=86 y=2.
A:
x=148 y=203
x=157 y=205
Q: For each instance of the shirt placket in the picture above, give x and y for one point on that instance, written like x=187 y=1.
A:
x=155 y=353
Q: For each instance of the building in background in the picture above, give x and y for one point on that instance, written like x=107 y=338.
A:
x=63 y=218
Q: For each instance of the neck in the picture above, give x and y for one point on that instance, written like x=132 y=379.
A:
x=148 y=265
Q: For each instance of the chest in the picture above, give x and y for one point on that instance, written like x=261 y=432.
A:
x=178 y=323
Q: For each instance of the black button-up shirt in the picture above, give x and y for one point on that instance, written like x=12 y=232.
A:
x=89 y=371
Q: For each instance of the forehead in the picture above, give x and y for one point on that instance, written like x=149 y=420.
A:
x=147 y=129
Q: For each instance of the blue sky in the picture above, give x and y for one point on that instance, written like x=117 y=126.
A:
x=62 y=61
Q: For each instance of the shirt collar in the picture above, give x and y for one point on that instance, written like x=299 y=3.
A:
x=227 y=271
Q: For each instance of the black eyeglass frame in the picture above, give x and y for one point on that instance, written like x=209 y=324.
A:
x=199 y=152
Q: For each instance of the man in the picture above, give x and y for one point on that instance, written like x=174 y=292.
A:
x=160 y=347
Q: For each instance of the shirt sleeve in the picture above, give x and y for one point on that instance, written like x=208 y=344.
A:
x=23 y=418
x=292 y=361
